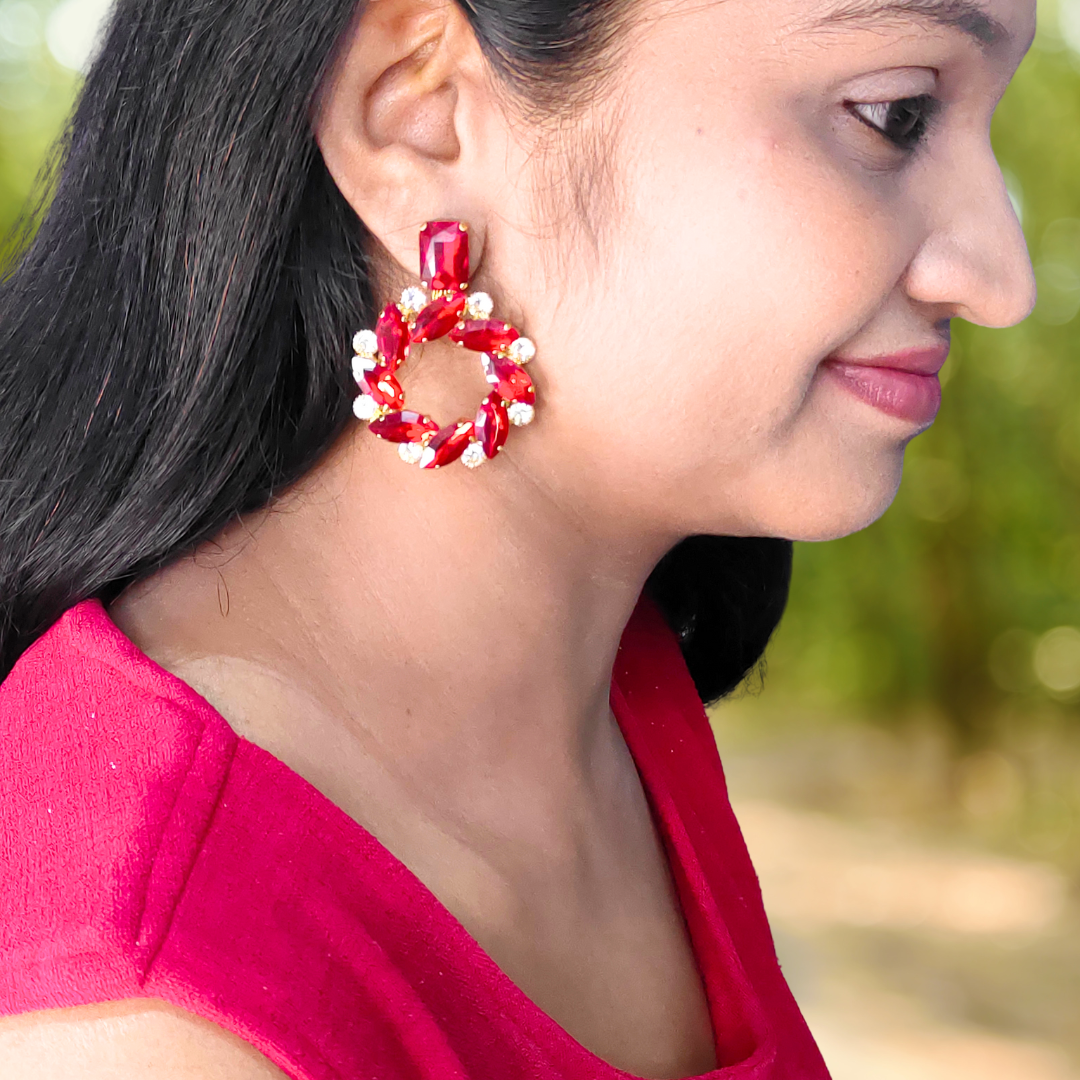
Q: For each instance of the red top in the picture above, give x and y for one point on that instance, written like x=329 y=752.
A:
x=149 y=851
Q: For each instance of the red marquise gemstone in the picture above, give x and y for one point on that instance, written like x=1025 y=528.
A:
x=492 y=424
x=383 y=387
x=438 y=318
x=444 y=255
x=484 y=335
x=510 y=380
x=448 y=445
x=404 y=426
x=393 y=334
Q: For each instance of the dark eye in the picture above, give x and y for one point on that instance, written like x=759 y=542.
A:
x=903 y=122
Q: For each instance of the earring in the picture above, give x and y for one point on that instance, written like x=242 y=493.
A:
x=443 y=308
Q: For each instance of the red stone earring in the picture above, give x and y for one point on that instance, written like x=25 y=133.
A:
x=449 y=311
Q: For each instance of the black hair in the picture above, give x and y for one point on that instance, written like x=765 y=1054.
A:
x=171 y=338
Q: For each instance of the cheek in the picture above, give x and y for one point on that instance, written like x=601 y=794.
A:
x=683 y=355
x=780 y=259
x=680 y=352
x=733 y=267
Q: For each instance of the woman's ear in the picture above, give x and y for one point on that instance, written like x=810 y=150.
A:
x=394 y=114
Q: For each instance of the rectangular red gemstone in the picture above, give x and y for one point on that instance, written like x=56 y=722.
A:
x=444 y=255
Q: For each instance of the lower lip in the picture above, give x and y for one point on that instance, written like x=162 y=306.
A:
x=902 y=394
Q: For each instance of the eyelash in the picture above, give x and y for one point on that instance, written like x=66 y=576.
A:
x=911 y=115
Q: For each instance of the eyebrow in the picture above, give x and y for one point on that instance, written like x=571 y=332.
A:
x=964 y=15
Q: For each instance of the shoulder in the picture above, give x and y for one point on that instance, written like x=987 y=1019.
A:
x=126 y=1040
x=108 y=771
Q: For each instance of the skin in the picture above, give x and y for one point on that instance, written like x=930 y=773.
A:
x=434 y=651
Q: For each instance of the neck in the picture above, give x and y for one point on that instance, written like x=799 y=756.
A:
x=453 y=625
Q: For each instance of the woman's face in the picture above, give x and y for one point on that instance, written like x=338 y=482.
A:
x=740 y=263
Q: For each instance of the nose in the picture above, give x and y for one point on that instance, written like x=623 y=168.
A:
x=974 y=259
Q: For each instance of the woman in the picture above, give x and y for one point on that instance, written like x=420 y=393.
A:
x=315 y=764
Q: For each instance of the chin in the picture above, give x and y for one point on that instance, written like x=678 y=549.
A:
x=820 y=498
x=822 y=509
x=832 y=519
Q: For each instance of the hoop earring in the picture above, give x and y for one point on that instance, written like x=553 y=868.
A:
x=466 y=319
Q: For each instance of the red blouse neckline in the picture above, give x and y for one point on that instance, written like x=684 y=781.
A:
x=227 y=884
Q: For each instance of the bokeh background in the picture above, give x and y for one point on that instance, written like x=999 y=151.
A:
x=907 y=766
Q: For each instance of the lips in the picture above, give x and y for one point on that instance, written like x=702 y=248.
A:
x=903 y=384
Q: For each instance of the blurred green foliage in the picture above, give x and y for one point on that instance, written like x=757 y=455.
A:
x=965 y=597
x=35 y=96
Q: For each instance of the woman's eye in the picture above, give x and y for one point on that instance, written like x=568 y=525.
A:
x=903 y=122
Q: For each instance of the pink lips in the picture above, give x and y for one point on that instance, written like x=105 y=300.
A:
x=904 y=385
